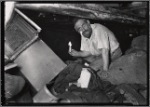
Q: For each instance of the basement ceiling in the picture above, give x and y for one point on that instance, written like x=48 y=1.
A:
x=122 y=12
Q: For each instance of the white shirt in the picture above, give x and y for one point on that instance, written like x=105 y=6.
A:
x=101 y=37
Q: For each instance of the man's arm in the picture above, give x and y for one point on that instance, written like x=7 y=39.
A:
x=84 y=53
x=79 y=53
x=105 y=57
x=103 y=38
x=101 y=59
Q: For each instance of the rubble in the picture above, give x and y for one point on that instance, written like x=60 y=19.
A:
x=138 y=43
x=130 y=68
x=13 y=85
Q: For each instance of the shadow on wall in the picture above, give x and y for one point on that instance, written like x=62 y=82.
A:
x=57 y=39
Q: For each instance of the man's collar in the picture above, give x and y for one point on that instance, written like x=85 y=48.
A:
x=93 y=26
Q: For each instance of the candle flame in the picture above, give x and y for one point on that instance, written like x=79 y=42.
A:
x=70 y=44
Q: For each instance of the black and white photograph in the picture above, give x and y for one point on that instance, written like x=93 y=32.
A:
x=75 y=53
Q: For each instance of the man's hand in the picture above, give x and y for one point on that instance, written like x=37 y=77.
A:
x=103 y=74
x=74 y=53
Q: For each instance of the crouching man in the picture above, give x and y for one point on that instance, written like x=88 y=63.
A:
x=99 y=45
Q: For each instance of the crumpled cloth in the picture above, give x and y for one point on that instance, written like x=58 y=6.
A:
x=72 y=73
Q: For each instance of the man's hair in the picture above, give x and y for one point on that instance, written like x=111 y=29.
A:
x=76 y=19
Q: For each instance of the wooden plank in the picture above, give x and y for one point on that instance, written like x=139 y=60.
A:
x=10 y=66
x=29 y=20
x=44 y=96
x=39 y=64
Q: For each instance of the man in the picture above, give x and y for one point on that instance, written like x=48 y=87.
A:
x=98 y=44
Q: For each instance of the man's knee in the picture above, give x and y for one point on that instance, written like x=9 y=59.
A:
x=97 y=64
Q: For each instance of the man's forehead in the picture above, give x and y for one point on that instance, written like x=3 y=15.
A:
x=80 y=22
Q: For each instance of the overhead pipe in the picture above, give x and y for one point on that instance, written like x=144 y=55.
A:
x=90 y=11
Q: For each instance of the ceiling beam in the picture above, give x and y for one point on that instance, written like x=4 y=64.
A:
x=90 y=11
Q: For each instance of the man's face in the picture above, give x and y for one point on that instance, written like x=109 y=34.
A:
x=84 y=27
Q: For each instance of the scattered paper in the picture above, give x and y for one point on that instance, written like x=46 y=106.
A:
x=84 y=78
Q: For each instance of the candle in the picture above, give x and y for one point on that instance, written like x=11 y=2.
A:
x=70 y=46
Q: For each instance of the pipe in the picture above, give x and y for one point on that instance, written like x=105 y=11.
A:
x=91 y=11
